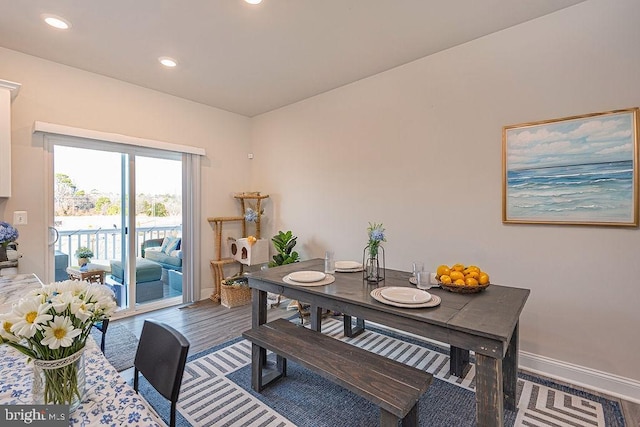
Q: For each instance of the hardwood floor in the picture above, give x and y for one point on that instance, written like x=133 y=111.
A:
x=206 y=324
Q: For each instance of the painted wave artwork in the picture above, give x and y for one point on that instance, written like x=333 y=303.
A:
x=594 y=192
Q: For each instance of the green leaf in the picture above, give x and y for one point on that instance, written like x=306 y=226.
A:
x=289 y=246
x=284 y=243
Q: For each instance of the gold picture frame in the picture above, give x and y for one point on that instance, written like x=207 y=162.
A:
x=580 y=170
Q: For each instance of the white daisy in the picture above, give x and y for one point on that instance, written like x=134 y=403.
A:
x=81 y=309
x=60 y=333
x=103 y=299
x=6 y=322
x=62 y=301
x=31 y=317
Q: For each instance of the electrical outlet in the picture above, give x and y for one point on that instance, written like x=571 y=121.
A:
x=20 y=218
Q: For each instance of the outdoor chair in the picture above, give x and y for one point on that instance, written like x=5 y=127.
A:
x=161 y=357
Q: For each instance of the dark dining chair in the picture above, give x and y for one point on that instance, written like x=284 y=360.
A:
x=160 y=358
x=102 y=326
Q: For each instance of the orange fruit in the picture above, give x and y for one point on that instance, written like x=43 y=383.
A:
x=470 y=281
x=459 y=282
x=472 y=274
x=457 y=267
x=445 y=279
x=455 y=275
x=483 y=279
x=443 y=270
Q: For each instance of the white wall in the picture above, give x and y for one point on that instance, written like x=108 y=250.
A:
x=419 y=149
x=58 y=94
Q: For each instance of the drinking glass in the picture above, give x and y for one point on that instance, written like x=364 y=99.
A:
x=417 y=266
x=329 y=262
x=423 y=279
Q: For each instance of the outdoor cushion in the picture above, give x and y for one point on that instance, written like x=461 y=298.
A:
x=175 y=280
x=170 y=244
x=175 y=259
x=146 y=270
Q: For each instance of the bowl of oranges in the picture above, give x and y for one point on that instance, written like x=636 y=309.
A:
x=462 y=279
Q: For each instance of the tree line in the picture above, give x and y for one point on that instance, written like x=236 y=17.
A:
x=71 y=201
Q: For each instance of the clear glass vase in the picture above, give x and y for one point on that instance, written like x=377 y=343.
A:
x=59 y=382
x=373 y=269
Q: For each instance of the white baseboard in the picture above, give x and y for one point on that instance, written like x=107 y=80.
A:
x=603 y=382
x=205 y=293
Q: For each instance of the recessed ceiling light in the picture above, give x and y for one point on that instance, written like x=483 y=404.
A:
x=56 y=22
x=167 y=62
x=253 y=1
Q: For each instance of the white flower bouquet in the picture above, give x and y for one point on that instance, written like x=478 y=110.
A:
x=52 y=323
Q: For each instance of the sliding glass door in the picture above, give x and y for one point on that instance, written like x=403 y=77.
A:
x=158 y=207
x=124 y=204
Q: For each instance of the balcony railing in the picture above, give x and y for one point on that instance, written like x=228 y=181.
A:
x=106 y=244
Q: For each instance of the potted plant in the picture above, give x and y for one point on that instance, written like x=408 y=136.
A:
x=84 y=255
x=284 y=243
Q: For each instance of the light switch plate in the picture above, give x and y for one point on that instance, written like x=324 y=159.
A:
x=20 y=218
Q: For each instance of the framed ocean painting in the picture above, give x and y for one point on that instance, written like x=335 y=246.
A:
x=576 y=170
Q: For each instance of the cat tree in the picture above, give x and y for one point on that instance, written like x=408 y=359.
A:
x=218 y=264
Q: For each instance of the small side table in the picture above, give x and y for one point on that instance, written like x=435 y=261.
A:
x=95 y=275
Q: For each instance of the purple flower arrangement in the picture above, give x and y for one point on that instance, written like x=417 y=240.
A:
x=376 y=235
x=8 y=233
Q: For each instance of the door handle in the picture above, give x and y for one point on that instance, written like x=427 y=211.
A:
x=53 y=233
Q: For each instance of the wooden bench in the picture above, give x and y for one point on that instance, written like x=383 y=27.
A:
x=393 y=386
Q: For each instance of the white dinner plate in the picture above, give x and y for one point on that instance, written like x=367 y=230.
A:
x=307 y=276
x=434 y=301
x=348 y=265
x=405 y=295
x=328 y=279
x=349 y=270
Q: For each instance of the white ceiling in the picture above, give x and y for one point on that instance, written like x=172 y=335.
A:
x=252 y=59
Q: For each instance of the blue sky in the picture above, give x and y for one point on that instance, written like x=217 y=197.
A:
x=579 y=141
x=100 y=170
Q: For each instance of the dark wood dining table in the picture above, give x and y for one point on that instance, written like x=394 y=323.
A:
x=485 y=323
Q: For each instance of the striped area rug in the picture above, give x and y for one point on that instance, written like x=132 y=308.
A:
x=216 y=392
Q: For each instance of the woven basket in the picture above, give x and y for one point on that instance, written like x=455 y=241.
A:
x=234 y=296
x=463 y=289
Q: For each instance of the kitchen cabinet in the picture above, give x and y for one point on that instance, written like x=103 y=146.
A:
x=8 y=92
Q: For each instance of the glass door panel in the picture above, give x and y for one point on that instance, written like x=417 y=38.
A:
x=90 y=212
x=158 y=183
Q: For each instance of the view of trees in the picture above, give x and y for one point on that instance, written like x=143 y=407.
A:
x=70 y=201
